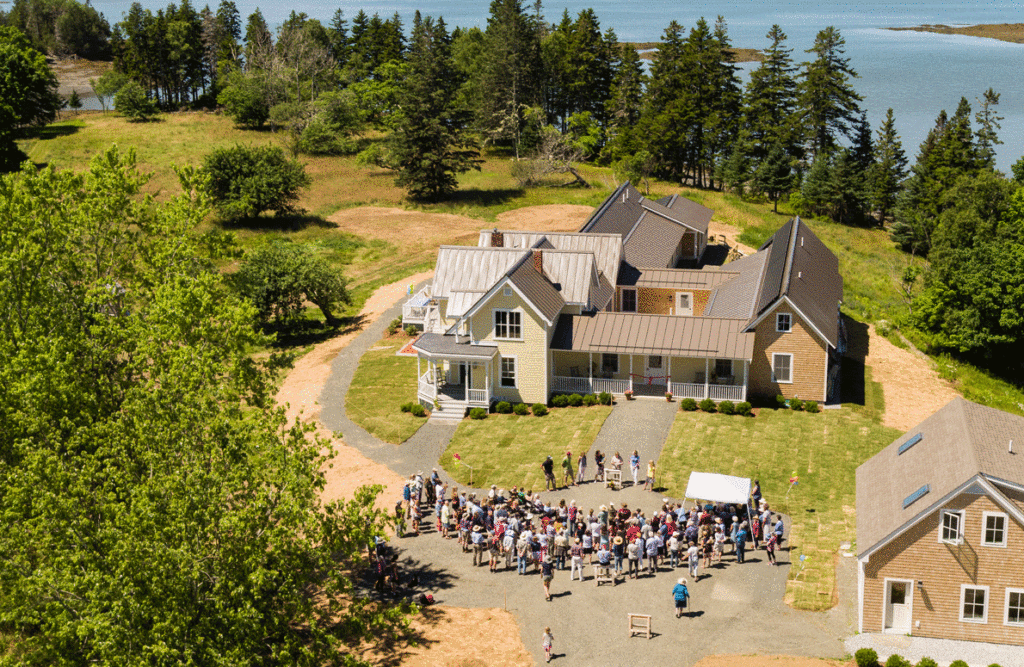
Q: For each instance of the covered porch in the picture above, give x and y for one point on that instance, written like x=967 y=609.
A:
x=453 y=373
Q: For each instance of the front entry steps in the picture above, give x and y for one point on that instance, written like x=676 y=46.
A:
x=448 y=412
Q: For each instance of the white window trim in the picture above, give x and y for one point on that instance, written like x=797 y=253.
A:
x=779 y=330
x=942 y=514
x=515 y=377
x=792 y=371
x=636 y=303
x=984 y=528
x=494 y=318
x=1006 y=608
x=885 y=601
x=988 y=603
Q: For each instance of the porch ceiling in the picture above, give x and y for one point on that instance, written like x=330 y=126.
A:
x=452 y=347
x=631 y=333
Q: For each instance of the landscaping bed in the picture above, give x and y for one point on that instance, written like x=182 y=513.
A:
x=381 y=384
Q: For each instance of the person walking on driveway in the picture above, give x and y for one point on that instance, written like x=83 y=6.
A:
x=547 y=641
x=681 y=596
x=567 y=478
x=770 y=548
x=649 y=482
x=634 y=466
x=577 y=560
x=581 y=467
x=549 y=474
x=741 y=542
x=547 y=573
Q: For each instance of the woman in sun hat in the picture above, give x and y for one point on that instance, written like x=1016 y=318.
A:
x=619 y=551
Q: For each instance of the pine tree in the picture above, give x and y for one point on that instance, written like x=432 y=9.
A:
x=988 y=128
x=830 y=104
x=430 y=144
x=770 y=114
x=258 y=42
x=665 y=117
x=624 y=103
x=774 y=174
x=888 y=171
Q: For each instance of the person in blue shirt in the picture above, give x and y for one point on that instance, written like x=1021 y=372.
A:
x=681 y=596
x=741 y=541
x=634 y=466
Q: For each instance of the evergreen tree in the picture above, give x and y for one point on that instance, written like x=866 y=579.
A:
x=430 y=143
x=258 y=41
x=337 y=32
x=988 y=129
x=774 y=175
x=625 y=103
x=770 y=114
x=665 y=116
x=829 y=102
x=888 y=171
x=28 y=92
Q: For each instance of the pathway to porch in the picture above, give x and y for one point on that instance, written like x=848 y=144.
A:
x=639 y=424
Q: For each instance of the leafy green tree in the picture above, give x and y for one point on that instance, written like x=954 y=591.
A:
x=831 y=106
x=987 y=134
x=28 y=92
x=244 y=98
x=1017 y=169
x=132 y=102
x=889 y=169
x=245 y=181
x=155 y=501
x=62 y=27
x=107 y=86
x=430 y=143
x=278 y=278
x=637 y=168
x=770 y=113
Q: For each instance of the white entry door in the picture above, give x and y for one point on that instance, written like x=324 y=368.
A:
x=655 y=371
x=897 y=606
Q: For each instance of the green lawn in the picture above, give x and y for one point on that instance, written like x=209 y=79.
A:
x=381 y=384
x=823 y=449
x=507 y=450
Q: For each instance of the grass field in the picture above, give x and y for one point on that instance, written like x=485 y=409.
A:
x=507 y=450
x=823 y=449
x=380 y=385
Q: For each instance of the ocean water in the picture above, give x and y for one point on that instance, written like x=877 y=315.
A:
x=917 y=74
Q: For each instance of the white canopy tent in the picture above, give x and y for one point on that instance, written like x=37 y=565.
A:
x=718 y=488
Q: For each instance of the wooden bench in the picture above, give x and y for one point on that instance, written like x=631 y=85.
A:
x=604 y=575
x=639 y=624
x=613 y=478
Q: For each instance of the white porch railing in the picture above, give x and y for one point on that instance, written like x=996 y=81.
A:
x=716 y=392
x=588 y=386
x=726 y=392
x=688 y=390
x=418 y=309
x=610 y=386
x=479 y=397
x=427 y=390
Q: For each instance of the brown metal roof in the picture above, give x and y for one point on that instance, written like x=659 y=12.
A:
x=693 y=214
x=961 y=440
x=632 y=333
x=675 y=278
x=538 y=289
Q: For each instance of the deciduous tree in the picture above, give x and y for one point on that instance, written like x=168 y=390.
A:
x=245 y=181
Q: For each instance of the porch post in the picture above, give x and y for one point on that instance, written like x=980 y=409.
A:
x=746 y=366
x=433 y=376
x=668 y=374
x=631 y=372
x=707 y=378
x=590 y=370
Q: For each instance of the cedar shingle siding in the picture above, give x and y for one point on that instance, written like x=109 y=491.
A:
x=810 y=358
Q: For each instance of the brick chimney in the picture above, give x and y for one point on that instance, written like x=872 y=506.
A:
x=497 y=239
x=538 y=261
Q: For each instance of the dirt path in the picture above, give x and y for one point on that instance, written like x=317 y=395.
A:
x=731 y=235
x=913 y=389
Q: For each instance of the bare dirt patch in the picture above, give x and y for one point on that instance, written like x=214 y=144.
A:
x=551 y=217
x=731 y=234
x=769 y=661
x=912 y=388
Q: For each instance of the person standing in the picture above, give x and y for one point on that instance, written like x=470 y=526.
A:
x=633 y=558
x=634 y=466
x=780 y=528
x=681 y=596
x=577 y=560
x=581 y=467
x=547 y=573
x=770 y=548
x=599 y=462
x=549 y=474
x=619 y=551
x=649 y=482
x=567 y=477
x=741 y=542
x=693 y=556
x=479 y=542
x=755 y=494
x=547 y=641
x=653 y=548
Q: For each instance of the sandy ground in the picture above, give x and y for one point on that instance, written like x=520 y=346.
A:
x=768 y=661
x=731 y=235
x=552 y=217
x=74 y=74
x=913 y=389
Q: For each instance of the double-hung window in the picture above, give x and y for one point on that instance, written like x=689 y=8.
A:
x=508 y=324
x=951 y=526
x=993 y=529
x=782 y=368
x=974 y=604
x=610 y=363
x=783 y=322
x=508 y=371
x=1014 y=606
x=629 y=300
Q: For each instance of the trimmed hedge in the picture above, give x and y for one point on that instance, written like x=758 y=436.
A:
x=744 y=408
x=796 y=404
x=589 y=400
x=605 y=398
x=539 y=409
x=503 y=408
x=417 y=410
x=812 y=406
x=478 y=413
x=727 y=408
x=780 y=400
x=406 y=407
x=521 y=409
x=395 y=325
x=411 y=330
x=928 y=662
x=560 y=401
x=707 y=405
x=866 y=657
x=897 y=661
x=575 y=400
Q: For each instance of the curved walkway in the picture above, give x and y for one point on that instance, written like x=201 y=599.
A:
x=736 y=608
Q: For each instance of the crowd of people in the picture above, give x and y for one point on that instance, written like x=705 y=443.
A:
x=518 y=529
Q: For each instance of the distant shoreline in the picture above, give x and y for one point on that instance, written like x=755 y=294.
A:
x=1004 y=32
x=648 y=49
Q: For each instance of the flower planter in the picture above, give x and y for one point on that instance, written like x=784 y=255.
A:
x=668 y=396
x=628 y=395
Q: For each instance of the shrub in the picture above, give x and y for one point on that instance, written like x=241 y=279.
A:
x=503 y=408
x=727 y=408
x=411 y=330
x=780 y=400
x=560 y=401
x=688 y=404
x=539 y=409
x=812 y=406
x=248 y=180
x=707 y=405
x=589 y=400
x=406 y=407
x=575 y=400
x=395 y=325
x=743 y=408
x=478 y=413
x=605 y=398
x=897 y=661
x=521 y=409
x=796 y=404
x=418 y=411
x=866 y=657
x=958 y=663
x=928 y=662
x=132 y=102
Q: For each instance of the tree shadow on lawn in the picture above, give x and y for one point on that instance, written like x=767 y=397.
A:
x=48 y=132
x=479 y=197
x=311 y=332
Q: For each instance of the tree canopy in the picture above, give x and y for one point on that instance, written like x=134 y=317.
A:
x=28 y=92
x=157 y=506
x=245 y=181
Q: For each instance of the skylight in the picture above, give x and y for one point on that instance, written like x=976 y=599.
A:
x=916 y=495
x=909 y=443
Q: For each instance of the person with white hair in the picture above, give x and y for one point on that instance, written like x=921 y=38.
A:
x=681 y=596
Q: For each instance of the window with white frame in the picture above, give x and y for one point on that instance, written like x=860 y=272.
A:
x=951 y=526
x=783 y=322
x=782 y=368
x=1014 y=606
x=723 y=368
x=974 y=604
x=508 y=324
x=508 y=371
x=610 y=363
x=629 y=300
x=993 y=529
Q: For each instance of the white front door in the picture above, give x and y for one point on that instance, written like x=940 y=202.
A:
x=897 y=606
x=684 y=303
x=655 y=371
